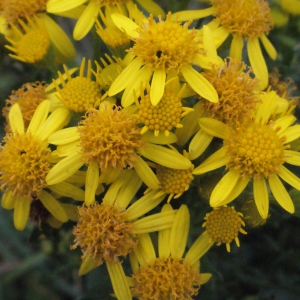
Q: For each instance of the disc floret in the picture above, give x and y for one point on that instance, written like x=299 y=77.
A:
x=110 y=137
x=247 y=18
x=81 y=92
x=256 y=151
x=104 y=232
x=236 y=89
x=166 y=45
x=24 y=164
x=171 y=278
x=223 y=225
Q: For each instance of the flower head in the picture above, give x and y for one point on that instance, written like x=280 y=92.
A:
x=106 y=139
x=25 y=161
x=223 y=225
x=161 y=48
x=33 y=44
x=81 y=92
x=237 y=92
x=243 y=19
x=170 y=275
x=255 y=151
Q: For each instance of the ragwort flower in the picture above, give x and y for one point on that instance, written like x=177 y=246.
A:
x=106 y=139
x=170 y=275
x=256 y=151
x=25 y=161
x=161 y=48
x=243 y=19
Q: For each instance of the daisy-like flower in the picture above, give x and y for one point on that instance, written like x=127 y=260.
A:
x=81 y=92
x=25 y=161
x=109 y=230
x=161 y=48
x=170 y=274
x=237 y=90
x=33 y=45
x=243 y=19
x=106 y=139
x=16 y=13
x=223 y=225
x=167 y=114
x=91 y=11
x=256 y=151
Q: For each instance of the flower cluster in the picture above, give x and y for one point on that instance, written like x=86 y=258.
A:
x=166 y=120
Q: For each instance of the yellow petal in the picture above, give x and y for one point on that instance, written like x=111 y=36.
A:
x=280 y=193
x=205 y=277
x=268 y=46
x=289 y=177
x=293 y=157
x=236 y=47
x=53 y=206
x=59 y=118
x=155 y=222
x=284 y=122
x=209 y=43
x=8 y=201
x=146 y=248
x=125 y=24
x=124 y=78
x=64 y=169
x=21 y=212
x=291 y=133
x=198 y=144
x=214 y=127
x=119 y=281
x=91 y=183
x=157 y=86
x=146 y=174
x=86 y=20
x=257 y=62
x=198 y=249
x=56 y=6
x=165 y=157
x=224 y=188
x=39 y=117
x=261 y=197
x=164 y=248
x=87 y=265
x=215 y=161
x=180 y=231
x=161 y=139
x=186 y=15
x=69 y=190
x=64 y=136
x=143 y=205
x=16 y=119
x=200 y=84
x=59 y=38
x=152 y=8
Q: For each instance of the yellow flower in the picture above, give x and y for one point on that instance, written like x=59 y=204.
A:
x=256 y=151
x=223 y=225
x=106 y=139
x=81 y=92
x=170 y=274
x=243 y=19
x=161 y=48
x=14 y=10
x=91 y=11
x=25 y=161
x=237 y=92
x=33 y=45
x=109 y=230
x=167 y=114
